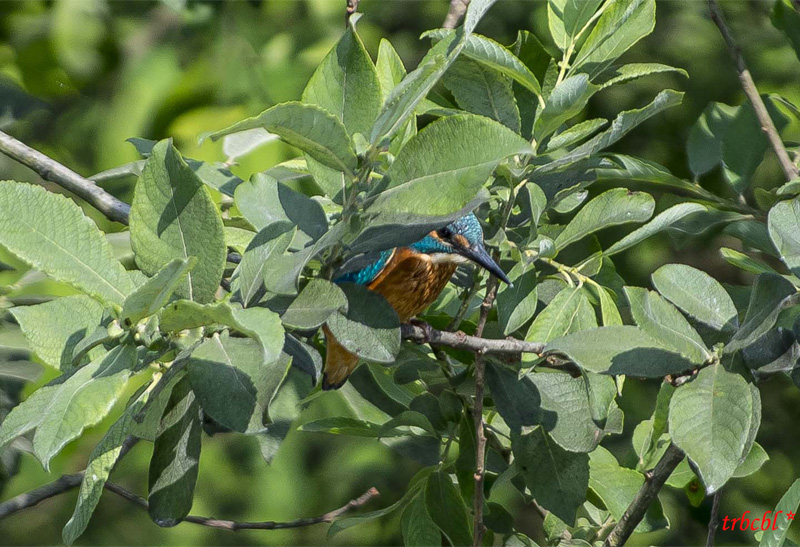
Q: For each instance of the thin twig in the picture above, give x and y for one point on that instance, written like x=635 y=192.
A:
x=53 y=171
x=653 y=483
x=68 y=482
x=713 y=521
x=267 y=525
x=749 y=86
x=38 y=495
x=457 y=10
x=480 y=434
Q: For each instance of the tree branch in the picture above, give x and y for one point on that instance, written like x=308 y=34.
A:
x=53 y=171
x=653 y=483
x=422 y=333
x=68 y=482
x=713 y=521
x=50 y=169
x=457 y=10
x=749 y=86
x=34 y=497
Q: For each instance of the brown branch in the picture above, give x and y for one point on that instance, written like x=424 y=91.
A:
x=352 y=7
x=68 y=482
x=422 y=333
x=50 y=169
x=38 y=495
x=53 y=171
x=457 y=10
x=653 y=483
x=749 y=86
x=477 y=410
x=713 y=521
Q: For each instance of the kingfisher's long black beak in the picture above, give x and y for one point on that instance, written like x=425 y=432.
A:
x=481 y=257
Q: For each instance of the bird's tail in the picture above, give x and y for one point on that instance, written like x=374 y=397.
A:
x=339 y=362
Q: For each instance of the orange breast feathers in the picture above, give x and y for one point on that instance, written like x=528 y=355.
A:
x=410 y=282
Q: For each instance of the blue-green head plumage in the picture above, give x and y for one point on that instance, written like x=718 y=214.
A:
x=462 y=239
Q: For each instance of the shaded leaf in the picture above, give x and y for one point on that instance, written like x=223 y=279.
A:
x=418 y=528
x=176 y=458
x=620 y=350
x=447 y=510
x=517 y=304
x=480 y=90
x=173 y=216
x=784 y=229
x=557 y=479
x=370 y=327
x=771 y=293
x=268 y=244
x=565 y=102
x=709 y=419
x=315 y=303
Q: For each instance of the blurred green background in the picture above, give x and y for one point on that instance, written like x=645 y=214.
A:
x=78 y=77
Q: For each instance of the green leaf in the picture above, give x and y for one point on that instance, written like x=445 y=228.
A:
x=223 y=370
x=633 y=71
x=447 y=510
x=755 y=458
x=475 y=12
x=745 y=143
x=370 y=327
x=173 y=216
x=101 y=462
x=784 y=229
x=573 y=134
x=176 y=458
x=346 y=84
x=569 y=311
x=661 y=222
x=517 y=400
x=480 y=90
x=745 y=262
x=566 y=410
x=310 y=128
x=620 y=350
x=456 y=155
x=268 y=245
x=82 y=400
x=50 y=233
x=771 y=294
x=517 y=304
x=264 y=201
x=565 y=102
x=557 y=479
x=617 y=486
x=407 y=419
x=789 y=503
x=406 y=96
x=610 y=208
x=661 y=320
x=389 y=67
x=698 y=294
x=155 y=293
x=704 y=147
x=566 y=18
x=622 y=25
x=786 y=18
x=315 y=303
x=709 y=419
x=621 y=126
x=418 y=528
x=494 y=56
x=53 y=329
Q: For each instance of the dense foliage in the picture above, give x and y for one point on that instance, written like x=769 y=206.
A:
x=220 y=345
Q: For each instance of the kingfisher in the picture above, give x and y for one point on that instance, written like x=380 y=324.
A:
x=410 y=278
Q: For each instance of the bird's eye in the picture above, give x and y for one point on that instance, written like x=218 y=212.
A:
x=444 y=233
